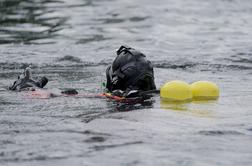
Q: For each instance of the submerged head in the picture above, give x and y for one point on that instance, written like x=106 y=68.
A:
x=130 y=71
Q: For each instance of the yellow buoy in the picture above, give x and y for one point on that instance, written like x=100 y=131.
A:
x=176 y=91
x=205 y=90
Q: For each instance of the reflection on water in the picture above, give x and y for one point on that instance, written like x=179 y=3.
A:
x=190 y=107
x=174 y=106
x=124 y=107
x=23 y=21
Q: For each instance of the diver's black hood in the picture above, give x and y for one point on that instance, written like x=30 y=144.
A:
x=130 y=71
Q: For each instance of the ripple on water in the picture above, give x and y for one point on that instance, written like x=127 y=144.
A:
x=201 y=66
x=220 y=132
x=187 y=39
x=70 y=59
x=25 y=21
x=95 y=139
x=104 y=147
x=93 y=38
x=250 y=129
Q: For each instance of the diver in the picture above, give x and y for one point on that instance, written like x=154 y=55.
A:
x=25 y=82
x=130 y=74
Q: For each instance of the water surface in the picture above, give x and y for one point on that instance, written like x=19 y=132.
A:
x=72 y=42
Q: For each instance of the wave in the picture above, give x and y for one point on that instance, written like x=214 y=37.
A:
x=19 y=27
x=76 y=62
x=94 y=38
x=59 y=63
x=174 y=65
x=69 y=58
x=201 y=66
x=241 y=57
x=220 y=132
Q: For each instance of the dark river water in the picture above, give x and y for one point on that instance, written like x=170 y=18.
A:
x=72 y=43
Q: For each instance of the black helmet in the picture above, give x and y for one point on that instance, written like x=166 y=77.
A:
x=130 y=71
